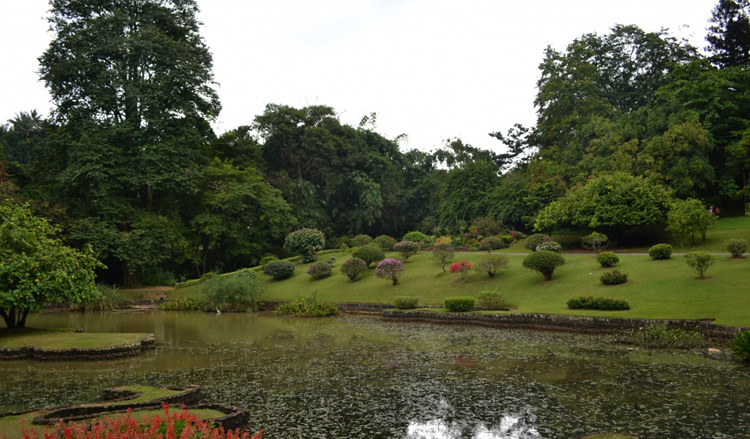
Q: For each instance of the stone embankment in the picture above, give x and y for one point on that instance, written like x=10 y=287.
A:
x=108 y=353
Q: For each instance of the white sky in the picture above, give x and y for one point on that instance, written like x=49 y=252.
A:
x=432 y=69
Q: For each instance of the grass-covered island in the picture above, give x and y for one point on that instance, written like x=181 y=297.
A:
x=65 y=344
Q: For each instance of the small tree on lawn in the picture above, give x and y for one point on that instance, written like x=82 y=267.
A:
x=462 y=270
x=36 y=268
x=407 y=249
x=688 y=218
x=306 y=243
x=443 y=254
x=492 y=264
x=389 y=269
x=595 y=241
x=544 y=261
x=700 y=262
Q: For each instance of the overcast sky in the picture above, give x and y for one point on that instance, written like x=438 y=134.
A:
x=431 y=69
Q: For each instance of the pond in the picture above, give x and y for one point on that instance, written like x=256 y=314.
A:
x=360 y=377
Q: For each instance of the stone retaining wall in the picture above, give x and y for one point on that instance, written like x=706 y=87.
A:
x=79 y=354
x=562 y=322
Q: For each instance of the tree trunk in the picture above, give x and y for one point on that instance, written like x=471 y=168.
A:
x=14 y=318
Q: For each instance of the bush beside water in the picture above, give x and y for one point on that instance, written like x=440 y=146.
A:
x=184 y=304
x=405 y=302
x=307 y=307
x=459 y=304
x=238 y=292
x=741 y=346
x=600 y=303
x=493 y=300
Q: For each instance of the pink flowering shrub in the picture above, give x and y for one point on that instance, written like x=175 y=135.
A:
x=173 y=425
x=462 y=269
x=389 y=269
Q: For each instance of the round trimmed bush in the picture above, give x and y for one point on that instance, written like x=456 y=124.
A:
x=607 y=259
x=741 y=346
x=389 y=269
x=306 y=243
x=660 y=251
x=353 y=268
x=279 y=270
x=613 y=277
x=491 y=243
x=369 y=253
x=361 y=240
x=405 y=302
x=237 y=292
x=544 y=261
x=418 y=237
x=320 y=270
x=736 y=247
x=385 y=242
x=407 y=249
x=588 y=302
x=492 y=300
x=267 y=260
x=459 y=304
x=552 y=246
x=535 y=240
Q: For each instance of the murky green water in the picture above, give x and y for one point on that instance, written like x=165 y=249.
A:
x=359 y=377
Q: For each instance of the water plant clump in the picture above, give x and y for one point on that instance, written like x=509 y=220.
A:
x=661 y=337
x=307 y=307
x=405 y=302
x=740 y=346
x=493 y=300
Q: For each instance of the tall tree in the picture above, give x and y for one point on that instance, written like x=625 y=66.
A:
x=729 y=34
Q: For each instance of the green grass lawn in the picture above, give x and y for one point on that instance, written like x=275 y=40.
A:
x=64 y=339
x=655 y=289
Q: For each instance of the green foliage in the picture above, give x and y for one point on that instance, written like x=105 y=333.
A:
x=353 y=268
x=613 y=202
x=607 y=259
x=184 y=304
x=740 y=346
x=417 y=237
x=307 y=307
x=492 y=264
x=700 y=262
x=385 y=242
x=660 y=251
x=361 y=240
x=486 y=226
x=535 y=240
x=491 y=243
x=601 y=303
x=267 y=260
x=369 y=253
x=279 y=270
x=552 y=246
x=661 y=337
x=109 y=300
x=594 y=241
x=493 y=300
x=737 y=247
x=544 y=262
x=306 y=243
x=36 y=268
x=443 y=254
x=236 y=293
x=407 y=249
x=613 y=277
x=466 y=195
x=689 y=218
x=405 y=302
x=320 y=270
x=459 y=304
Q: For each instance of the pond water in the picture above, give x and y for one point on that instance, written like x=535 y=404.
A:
x=360 y=377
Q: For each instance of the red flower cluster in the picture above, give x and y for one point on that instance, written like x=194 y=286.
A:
x=460 y=267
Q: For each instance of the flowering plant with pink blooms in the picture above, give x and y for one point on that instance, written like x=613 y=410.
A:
x=389 y=269
x=462 y=269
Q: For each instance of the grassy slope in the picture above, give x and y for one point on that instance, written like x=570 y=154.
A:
x=655 y=289
x=64 y=339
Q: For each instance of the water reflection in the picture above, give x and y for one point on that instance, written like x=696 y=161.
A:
x=510 y=427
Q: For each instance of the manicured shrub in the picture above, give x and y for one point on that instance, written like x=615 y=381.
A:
x=306 y=243
x=492 y=264
x=307 y=307
x=361 y=240
x=700 y=262
x=660 y=251
x=389 y=269
x=267 y=260
x=551 y=246
x=405 y=302
x=736 y=247
x=492 y=300
x=443 y=254
x=462 y=270
x=353 y=268
x=184 y=304
x=507 y=239
x=407 y=249
x=208 y=275
x=594 y=241
x=369 y=253
x=740 y=346
x=544 y=262
x=459 y=304
x=535 y=240
x=491 y=243
x=385 y=242
x=661 y=337
x=237 y=292
x=417 y=237
x=613 y=277
x=320 y=270
x=601 y=303
x=279 y=270
x=607 y=259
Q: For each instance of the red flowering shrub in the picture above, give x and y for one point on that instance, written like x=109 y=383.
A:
x=462 y=269
x=174 y=425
